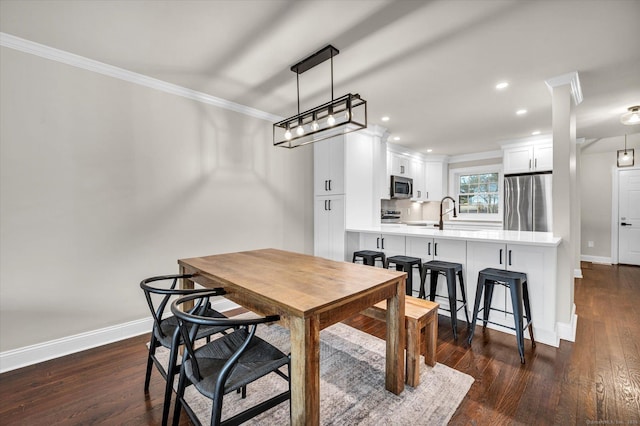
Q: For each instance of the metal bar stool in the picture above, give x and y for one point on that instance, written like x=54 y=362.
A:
x=369 y=257
x=406 y=264
x=517 y=284
x=449 y=270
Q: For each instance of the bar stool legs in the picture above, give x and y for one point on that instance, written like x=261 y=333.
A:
x=516 y=282
x=449 y=270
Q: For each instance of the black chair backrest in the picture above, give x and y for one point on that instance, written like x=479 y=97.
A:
x=189 y=322
x=167 y=292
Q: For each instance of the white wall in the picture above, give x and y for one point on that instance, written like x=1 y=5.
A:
x=598 y=162
x=104 y=182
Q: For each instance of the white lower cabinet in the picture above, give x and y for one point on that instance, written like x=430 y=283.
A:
x=329 y=227
x=390 y=245
x=538 y=262
x=446 y=250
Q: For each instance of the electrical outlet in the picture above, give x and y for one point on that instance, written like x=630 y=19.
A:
x=590 y=244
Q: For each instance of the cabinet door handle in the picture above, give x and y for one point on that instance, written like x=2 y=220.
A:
x=325 y=205
x=429 y=248
x=383 y=243
x=501 y=256
x=535 y=163
x=378 y=242
x=529 y=164
x=509 y=257
x=427 y=197
x=325 y=185
x=419 y=194
x=401 y=170
x=435 y=249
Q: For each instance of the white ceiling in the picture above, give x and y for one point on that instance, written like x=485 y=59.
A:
x=429 y=65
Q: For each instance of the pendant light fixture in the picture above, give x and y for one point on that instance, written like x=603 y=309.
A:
x=632 y=116
x=341 y=115
x=625 y=156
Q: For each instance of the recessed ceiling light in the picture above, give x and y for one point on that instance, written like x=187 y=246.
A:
x=502 y=85
x=396 y=138
x=535 y=132
x=521 y=111
x=385 y=118
x=429 y=150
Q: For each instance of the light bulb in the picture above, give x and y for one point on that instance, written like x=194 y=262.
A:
x=287 y=134
x=625 y=157
x=330 y=120
x=300 y=130
x=314 y=125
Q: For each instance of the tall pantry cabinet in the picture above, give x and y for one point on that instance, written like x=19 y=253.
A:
x=346 y=177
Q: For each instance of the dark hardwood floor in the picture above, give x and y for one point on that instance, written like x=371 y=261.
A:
x=597 y=378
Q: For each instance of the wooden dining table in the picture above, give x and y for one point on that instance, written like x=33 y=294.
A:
x=309 y=293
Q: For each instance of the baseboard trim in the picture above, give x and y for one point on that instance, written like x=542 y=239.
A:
x=567 y=331
x=40 y=352
x=596 y=259
x=577 y=273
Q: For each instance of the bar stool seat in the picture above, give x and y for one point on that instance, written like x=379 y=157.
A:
x=516 y=282
x=406 y=264
x=369 y=257
x=449 y=270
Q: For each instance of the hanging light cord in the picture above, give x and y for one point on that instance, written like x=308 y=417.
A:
x=331 y=76
x=298 y=87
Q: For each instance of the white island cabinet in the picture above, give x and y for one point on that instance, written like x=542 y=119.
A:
x=534 y=253
x=538 y=262
x=389 y=244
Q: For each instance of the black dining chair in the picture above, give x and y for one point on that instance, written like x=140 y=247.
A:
x=158 y=292
x=226 y=364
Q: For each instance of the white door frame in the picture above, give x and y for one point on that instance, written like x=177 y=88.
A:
x=615 y=183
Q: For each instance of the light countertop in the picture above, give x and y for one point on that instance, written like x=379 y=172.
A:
x=481 y=235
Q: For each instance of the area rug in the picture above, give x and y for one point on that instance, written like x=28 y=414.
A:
x=351 y=386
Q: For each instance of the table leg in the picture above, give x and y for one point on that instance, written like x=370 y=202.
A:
x=305 y=371
x=185 y=284
x=394 y=380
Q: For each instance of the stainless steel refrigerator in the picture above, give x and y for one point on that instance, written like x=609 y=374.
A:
x=527 y=202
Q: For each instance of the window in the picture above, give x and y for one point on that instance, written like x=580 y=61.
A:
x=478 y=192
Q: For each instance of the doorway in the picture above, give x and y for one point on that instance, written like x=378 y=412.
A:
x=628 y=218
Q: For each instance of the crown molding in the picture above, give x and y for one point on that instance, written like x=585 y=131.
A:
x=476 y=156
x=571 y=79
x=47 y=52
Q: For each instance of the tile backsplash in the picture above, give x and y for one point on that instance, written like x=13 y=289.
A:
x=411 y=210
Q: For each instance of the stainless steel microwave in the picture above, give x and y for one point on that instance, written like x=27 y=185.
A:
x=401 y=187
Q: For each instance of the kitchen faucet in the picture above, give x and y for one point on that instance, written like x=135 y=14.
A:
x=441 y=224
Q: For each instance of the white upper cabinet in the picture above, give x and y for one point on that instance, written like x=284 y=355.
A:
x=528 y=158
x=400 y=165
x=418 y=175
x=434 y=180
x=328 y=170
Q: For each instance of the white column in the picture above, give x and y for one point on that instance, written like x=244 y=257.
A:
x=565 y=93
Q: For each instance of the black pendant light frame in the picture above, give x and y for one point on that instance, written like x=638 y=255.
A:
x=349 y=112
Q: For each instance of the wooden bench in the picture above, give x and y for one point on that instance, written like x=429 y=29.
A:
x=420 y=315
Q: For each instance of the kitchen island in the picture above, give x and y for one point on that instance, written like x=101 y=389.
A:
x=534 y=253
